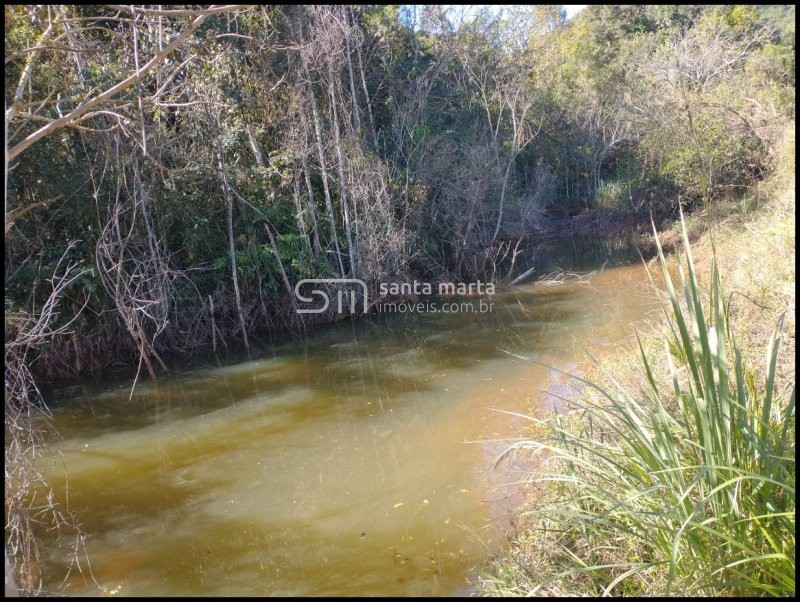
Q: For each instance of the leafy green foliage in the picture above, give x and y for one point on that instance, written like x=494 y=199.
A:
x=440 y=122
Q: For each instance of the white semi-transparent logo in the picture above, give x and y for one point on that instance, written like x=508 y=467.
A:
x=351 y=296
x=345 y=298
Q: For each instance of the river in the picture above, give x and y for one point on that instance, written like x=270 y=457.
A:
x=358 y=460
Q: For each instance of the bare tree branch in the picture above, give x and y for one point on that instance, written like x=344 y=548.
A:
x=134 y=77
x=138 y=10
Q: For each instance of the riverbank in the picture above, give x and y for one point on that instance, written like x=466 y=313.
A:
x=106 y=354
x=549 y=553
x=597 y=222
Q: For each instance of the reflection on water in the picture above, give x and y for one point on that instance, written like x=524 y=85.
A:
x=356 y=461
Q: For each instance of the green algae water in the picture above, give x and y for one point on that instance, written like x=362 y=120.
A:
x=356 y=461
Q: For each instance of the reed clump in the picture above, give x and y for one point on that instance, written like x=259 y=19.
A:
x=683 y=486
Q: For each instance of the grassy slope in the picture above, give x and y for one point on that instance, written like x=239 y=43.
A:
x=755 y=251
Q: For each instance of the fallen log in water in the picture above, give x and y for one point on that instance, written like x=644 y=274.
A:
x=522 y=277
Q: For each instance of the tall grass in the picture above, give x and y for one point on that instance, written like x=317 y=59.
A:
x=684 y=488
x=618 y=194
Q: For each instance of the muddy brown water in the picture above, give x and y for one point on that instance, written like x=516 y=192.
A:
x=357 y=461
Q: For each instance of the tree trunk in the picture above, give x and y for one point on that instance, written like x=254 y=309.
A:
x=324 y=169
x=353 y=98
x=366 y=94
x=502 y=199
x=286 y=282
x=301 y=222
x=232 y=246
x=342 y=183
x=251 y=137
x=312 y=209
